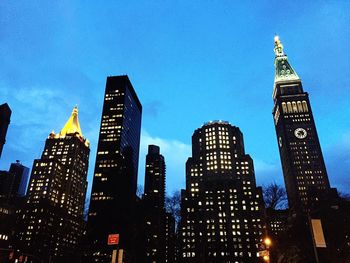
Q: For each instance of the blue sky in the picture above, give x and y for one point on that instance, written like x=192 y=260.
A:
x=189 y=62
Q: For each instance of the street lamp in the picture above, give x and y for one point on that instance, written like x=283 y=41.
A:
x=264 y=252
x=266 y=258
x=267 y=242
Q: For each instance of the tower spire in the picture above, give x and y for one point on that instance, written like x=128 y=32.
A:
x=278 y=47
x=72 y=126
x=283 y=70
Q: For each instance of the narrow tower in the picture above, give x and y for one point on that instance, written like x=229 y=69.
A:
x=302 y=161
x=155 y=177
x=114 y=184
x=53 y=215
x=154 y=199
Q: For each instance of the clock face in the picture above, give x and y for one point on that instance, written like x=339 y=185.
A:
x=300 y=133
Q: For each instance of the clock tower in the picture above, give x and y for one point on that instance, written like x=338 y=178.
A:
x=302 y=161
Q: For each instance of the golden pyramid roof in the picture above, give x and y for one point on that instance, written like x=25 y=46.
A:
x=72 y=126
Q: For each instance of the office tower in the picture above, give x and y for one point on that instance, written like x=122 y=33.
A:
x=21 y=176
x=221 y=208
x=7 y=210
x=114 y=184
x=155 y=178
x=154 y=198
x=277 y=222
x=53 y=214
x=5 y=115
x=6 y=185
x=12 y=184
x=302 y=161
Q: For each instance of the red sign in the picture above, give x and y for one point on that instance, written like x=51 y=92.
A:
x=113 y=239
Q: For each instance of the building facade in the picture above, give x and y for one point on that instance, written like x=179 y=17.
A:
x=170 y=239
x=12 y=191
x=114 y=184
x=302 y=161
x=7 y=211
x=5 y=115
x=221 y=208
x=154 y=200
x=52 y=217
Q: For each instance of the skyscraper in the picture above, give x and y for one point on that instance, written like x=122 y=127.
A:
x=5 y=115
x=221 y=209
x=7 y=209
x=21 y=174
x=302 y=161
x=155 y=177
x=154 y=198
x=12 y=190
x=115 y=177
x=53 y=214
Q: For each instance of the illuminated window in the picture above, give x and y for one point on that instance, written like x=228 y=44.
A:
x=305 y=108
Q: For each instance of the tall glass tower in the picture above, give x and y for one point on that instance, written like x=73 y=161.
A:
x=114 y=184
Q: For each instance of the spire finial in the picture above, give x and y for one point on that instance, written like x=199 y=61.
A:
x=278 y=47
x=75 y=110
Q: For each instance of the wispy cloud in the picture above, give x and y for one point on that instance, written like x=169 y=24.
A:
x=152 y=108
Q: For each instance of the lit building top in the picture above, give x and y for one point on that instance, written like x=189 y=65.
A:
x=215 y=122
x=72 y=127
x=283 y=70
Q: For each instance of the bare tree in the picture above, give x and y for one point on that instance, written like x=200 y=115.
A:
x=275 y=196
x=173 y=205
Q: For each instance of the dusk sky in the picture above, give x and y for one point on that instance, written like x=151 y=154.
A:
x=189 y=61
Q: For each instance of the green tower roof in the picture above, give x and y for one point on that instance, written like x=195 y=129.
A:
x=283 y=70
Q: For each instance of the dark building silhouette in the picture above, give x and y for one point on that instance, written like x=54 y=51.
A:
x=7 y=211
x=12 y=184
x=155 y=178
x=302 y=161
x=113 y=194
x=221 y=209
x=21 y=177
x=154 y=199
x=52 y=217
x=6 y=185
x=277 y=220
x=5 y=115
x=170 y=239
